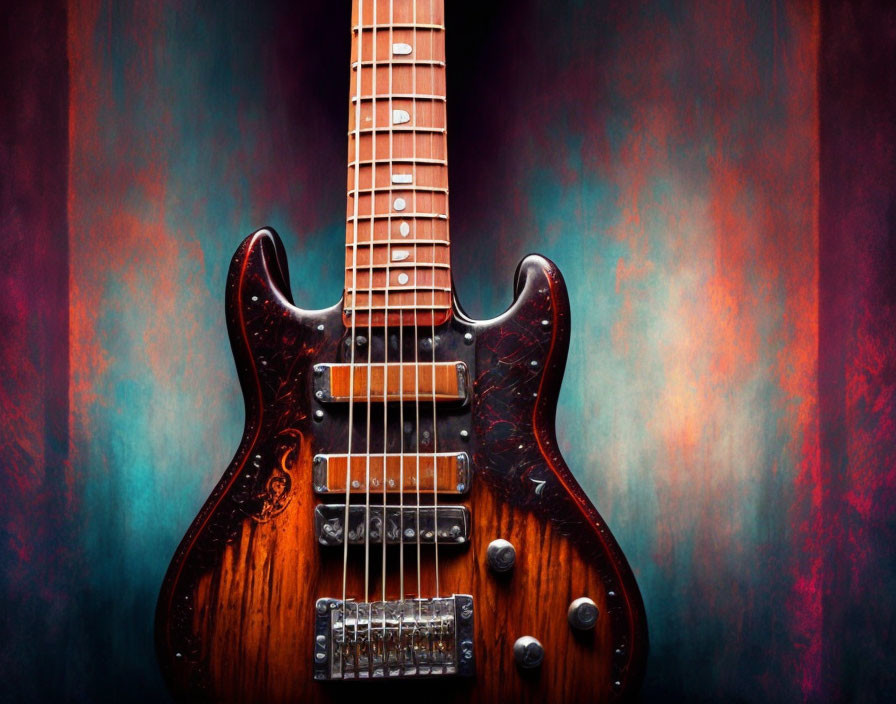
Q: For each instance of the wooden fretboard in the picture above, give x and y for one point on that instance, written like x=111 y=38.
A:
x=397 y=245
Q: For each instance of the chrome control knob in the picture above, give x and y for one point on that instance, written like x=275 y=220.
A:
x=528 y=652
x=500 y=555
x=582 y=614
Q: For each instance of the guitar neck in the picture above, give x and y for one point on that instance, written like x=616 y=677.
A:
x=397 y=261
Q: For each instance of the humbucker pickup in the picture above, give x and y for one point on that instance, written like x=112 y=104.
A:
x=407 y=381
x=449 y=472
x=401 y=524
x=382 y=639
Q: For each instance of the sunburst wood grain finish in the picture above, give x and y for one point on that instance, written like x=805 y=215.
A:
x=236 y=613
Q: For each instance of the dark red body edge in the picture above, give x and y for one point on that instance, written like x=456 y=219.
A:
x=544 y=425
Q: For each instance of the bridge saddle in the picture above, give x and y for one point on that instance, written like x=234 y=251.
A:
x=382 y=639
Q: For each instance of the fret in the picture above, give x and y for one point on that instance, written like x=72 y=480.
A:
x=397 y=160
x=400 y=289
x=402 y=243
x=394 y=129
x=400 y=96
x=399 y=188
x=383 y=308
x=397 y=216
x=399 y=62
x=399 y=265
x=379 y=27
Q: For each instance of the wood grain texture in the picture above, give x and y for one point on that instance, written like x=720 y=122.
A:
x=236 y=612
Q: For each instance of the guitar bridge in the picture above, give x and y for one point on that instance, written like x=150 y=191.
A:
x=401 y=639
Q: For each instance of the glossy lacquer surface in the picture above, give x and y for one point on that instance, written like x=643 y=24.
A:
x=236 y=614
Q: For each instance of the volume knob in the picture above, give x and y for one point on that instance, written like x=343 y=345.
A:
x=528 y=652
x=500 y=555
x=582 y=614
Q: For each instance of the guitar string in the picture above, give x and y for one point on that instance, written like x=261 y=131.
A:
x=384 y=526
x=416 y=311
x=352 y=315
x=435 y=432
x=369 y=330
x=401 y=433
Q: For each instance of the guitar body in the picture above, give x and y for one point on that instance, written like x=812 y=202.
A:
x=236 y=616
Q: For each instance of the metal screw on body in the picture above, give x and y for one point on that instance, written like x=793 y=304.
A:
x=582 y=614
x=528 y=652
x=500 y=555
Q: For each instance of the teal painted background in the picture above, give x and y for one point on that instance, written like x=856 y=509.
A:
x=670 y=157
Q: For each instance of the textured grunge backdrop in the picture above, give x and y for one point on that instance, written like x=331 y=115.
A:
x=717 y=180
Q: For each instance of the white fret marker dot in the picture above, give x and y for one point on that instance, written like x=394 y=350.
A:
x=399 y=204
x=399 y=255
x=402 y=178
x=401 y=49
x=404 y=229
x=399 y=117
x=402 y=279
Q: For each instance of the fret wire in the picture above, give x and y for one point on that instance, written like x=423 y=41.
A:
x=400 y=96
x=386 y=130
x=401 y=306
x=397 y=188
x=402 y=289
x=397 y=25
x=375 y=243
x=382 y=309
x=399 y=62
x=435 y=216
x=395 y=266
x=398 y=160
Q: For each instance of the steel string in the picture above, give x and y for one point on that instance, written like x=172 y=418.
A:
x=416 y=311
x=353 y=314
x=383 y=528
x=369 y=337
x=435 y=432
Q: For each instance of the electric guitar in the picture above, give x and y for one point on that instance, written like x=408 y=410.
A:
x=398 y=509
